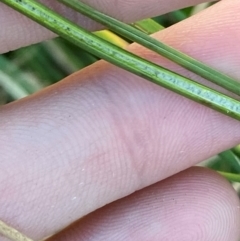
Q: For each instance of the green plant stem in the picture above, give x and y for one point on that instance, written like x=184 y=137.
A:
x=139 y=37
x=148 y=26
x=126 y=60
x=230 y=176
x=232 y=159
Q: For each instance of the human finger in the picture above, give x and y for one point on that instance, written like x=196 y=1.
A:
x=196 y=204
x=103 y=133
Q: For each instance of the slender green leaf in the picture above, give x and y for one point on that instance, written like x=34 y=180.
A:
x=18 y=84
x=199 y=8
x=139 y=37
x=230 y=176
x=212 y=163
x=232 y=159
x=148 y=26
x=62 y=59
x=12 y=87
x=236 y=150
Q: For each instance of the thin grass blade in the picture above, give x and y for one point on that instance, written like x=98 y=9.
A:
x=232 y=160
x=148 y=26
x=138 y=36
x=230 y=176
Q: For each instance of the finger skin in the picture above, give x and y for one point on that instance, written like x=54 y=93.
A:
x=17 y=31
x=194 y=205
x=103 y=133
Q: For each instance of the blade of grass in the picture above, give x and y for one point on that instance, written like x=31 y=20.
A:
x=60 y=57
x=211 y=163
x=39 y=65
x=12 y=87
x=230 y=176
x=236 y=150
x=232 y=160
x=199 y=8
x=126 y=60
x=70 y=58
x=25 y=81
x=77 y=56
x=139 y=37
x=148 y=26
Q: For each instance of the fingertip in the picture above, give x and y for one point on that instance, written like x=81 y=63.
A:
x=196 y=204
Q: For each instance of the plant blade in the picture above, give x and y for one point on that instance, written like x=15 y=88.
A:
x=148 y=26
x=230 y=176
x=138 y=36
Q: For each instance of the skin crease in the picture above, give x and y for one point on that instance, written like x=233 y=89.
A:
x=102 y=134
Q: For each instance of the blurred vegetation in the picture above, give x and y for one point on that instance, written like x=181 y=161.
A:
x=27 y=70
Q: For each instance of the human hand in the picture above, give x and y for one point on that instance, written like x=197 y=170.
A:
x=102 y=134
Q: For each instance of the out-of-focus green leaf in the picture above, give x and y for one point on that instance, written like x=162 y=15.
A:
x=232 y=159
x=148 y=26
x=16 y=83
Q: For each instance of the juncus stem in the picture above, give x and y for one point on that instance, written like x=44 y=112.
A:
x=138 y=36
x=126 y=60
